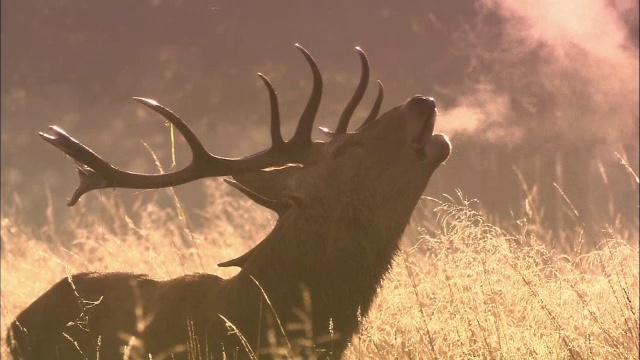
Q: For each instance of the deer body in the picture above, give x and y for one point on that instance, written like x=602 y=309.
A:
x=318 y=269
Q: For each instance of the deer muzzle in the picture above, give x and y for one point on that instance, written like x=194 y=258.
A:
x=429 y=147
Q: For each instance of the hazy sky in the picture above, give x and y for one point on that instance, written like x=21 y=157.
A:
x=539 y=77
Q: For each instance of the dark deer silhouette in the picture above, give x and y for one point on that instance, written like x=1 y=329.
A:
x=342 y=205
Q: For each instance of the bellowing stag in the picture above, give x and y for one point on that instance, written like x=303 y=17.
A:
x=342 y=205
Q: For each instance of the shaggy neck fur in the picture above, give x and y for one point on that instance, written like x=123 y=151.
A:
x=338 y=264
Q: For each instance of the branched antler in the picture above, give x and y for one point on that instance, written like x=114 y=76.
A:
x=96 y=173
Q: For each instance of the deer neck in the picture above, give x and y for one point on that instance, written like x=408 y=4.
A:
x=339 y=262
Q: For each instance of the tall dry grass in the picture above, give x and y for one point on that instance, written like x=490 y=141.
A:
x=473 y=290
x=462 y=289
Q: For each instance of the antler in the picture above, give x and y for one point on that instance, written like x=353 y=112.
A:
x=343 y=123
x=376 y=107
x=96 y=173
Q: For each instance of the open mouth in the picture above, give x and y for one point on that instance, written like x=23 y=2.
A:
x=429 y=147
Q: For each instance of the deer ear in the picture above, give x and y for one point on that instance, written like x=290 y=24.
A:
x=273 y=185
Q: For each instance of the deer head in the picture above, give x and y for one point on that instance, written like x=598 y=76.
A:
x=342 y=205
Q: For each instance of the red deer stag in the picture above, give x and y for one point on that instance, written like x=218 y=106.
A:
x=342 y=205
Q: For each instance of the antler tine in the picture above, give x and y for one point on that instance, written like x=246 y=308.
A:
x=302 y=135
x=276 y=135
x=85 y=159
x=73 y=148
x=357 y=96
x=198 y=150
x=376 y=106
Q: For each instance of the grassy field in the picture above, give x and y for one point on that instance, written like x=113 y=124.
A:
x=462 y=289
